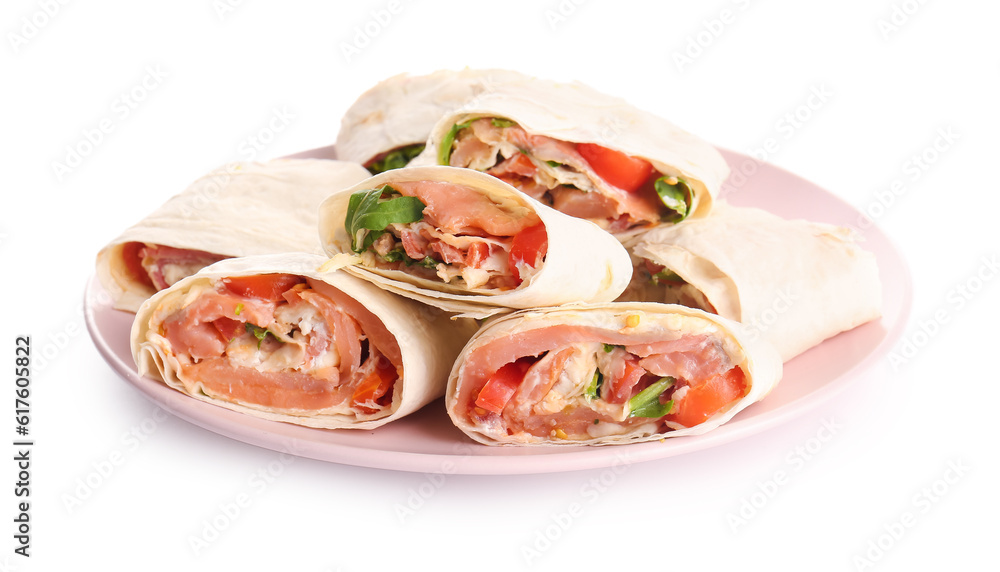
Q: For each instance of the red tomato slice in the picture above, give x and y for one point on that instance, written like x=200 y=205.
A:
x=701 y=402
x=228 y=328
x=267 y=287
x=521 y=165
x=133 y=262
x=625 y=172
x=618 y=389
x=653 y=267
x=502 y=385
x=477 y=253
x=376 y=385
x=529 y=246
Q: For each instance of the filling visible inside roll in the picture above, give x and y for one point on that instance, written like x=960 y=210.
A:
x=159 y=267
x=585 y=180
x=652 y=282
x=280 y=342
x=447 y=232
x=394 y=158
x=577 y=382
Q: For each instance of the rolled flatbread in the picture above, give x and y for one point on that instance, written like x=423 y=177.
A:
x=388 y=125
x=240 y=209
x=793 y=282
x=582 y=152
x=464 y=241
x=606 y=374
x=271 y=337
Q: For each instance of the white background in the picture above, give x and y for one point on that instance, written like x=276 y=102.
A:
x=897 y=74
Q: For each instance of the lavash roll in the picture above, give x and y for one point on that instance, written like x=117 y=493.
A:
x=582 y=264
x=792 y=282
x=427 y=339
x=239 y=209
x=577 y=113
x=401 y=110
x=547 y=332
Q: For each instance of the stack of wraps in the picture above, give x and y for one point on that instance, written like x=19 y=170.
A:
x=499 y=197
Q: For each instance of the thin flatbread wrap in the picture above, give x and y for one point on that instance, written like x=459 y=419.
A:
x=388 y=125
x=271 y=337
x=240 y=209
x=606 y=374
x=793 y=282
x=583 y=152
x=467 y=242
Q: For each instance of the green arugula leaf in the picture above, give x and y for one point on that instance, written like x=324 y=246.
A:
x=608 y=348
x=367 y=212
x=647 y=402
x=396 y=159
x=444 y=151
x=397 y=255
x=501 y=122
x=594 y=389
x=675 y=196
x=428 y=262
x=553 y=163
x=362 y=200
x=259 y=333
x=666 y=275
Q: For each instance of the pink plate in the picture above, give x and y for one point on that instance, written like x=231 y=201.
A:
x=427 y=441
